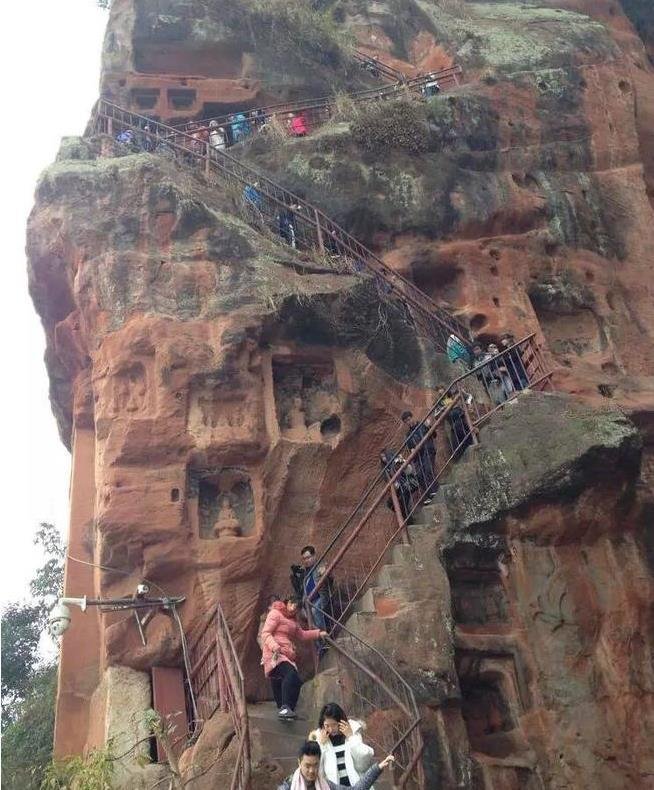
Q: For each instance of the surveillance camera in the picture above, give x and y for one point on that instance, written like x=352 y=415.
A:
x=59 y=619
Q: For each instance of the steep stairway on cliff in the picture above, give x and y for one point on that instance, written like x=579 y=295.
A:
x=262 y=201
x=377 y=66
x=317 y=110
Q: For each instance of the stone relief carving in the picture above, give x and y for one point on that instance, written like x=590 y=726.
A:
x=130 y=390
x=225 y=502
x=306 y=400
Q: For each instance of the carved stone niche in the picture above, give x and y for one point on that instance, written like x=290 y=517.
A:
x=130 y=391
x=494 y=696
x=306 y=400
x=477 y=577
x=217 y=415
x=222 y=503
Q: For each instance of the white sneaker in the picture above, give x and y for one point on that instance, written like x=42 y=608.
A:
x=286 y=713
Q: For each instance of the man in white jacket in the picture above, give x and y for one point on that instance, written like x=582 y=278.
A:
x=345 y=758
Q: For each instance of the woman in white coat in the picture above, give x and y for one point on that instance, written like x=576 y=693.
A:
x=345 y=757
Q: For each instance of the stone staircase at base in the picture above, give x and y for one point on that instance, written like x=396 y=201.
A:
x=275 y=743
x=403 y=595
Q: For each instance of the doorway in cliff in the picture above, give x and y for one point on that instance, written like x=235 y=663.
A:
x=486 y=713
x=479 y=594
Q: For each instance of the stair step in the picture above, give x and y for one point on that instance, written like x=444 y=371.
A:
x=392 y=576
x=365 y=604
x=264 y=718
x=428 y=513
x=402 y=552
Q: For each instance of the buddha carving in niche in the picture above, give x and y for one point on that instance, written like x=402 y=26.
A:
x=226 y=524
x=296 y=415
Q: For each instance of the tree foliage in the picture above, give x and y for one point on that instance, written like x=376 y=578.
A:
x=29 y=685
x=21 y=631
x=92 y=772
x=27 y=740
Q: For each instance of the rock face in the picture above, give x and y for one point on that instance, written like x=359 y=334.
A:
x=549 y=560
x=225 y=399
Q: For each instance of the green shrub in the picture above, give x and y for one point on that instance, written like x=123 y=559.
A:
x=93 y=772
x=399 y=125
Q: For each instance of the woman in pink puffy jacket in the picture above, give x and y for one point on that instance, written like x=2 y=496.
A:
x=278 y=636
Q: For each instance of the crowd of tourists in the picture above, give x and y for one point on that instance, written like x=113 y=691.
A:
x=487 y=380
x=334 y=754
x=239 y=126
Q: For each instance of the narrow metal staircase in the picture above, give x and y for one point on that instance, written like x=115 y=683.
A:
x=317 y=111
x=263 y=200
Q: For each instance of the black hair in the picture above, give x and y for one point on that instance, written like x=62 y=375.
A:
x=310 y=749
x=292 y=599
x=271 y=599
x=331 y=711
x=406 y=415
x=311 y=549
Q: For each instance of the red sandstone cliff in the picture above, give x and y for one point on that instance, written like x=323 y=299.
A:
x=195 y=362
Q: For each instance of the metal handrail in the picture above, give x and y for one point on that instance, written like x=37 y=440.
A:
x=524 y=363
x=217 y=681
x=383 y=68
x=324 y=104
x=315 y=230
x=357 y=658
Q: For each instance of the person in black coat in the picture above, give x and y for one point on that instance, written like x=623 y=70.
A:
x=425 y=458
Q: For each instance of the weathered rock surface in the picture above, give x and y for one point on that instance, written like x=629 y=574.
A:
x=225 y=399
x=234 y=400
x=525 y=199
x=549 y=557
x=521 y=611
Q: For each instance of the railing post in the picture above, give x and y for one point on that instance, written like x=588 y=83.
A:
x=321 y=243
x=207 y=161
x=220 y=670
x=466 y=414
x=110 y=126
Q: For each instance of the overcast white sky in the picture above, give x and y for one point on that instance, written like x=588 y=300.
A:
x=50 y=56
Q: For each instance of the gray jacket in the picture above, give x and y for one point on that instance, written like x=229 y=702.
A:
x=366 y=781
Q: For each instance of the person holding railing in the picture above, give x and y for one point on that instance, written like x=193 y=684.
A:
x=240 y=127
x=484 y=376
x=217 y=136
x=305 y=579
x=258 y=119
x=514 y=363
x=298 y=125
x=424 y=459
x=278 y=654
x=345 y=757
x=286 y=224
x=500 y=386
x=309 y=775
x=460 y=435
x=252 y=197
x=405 y=483
x=146 y=140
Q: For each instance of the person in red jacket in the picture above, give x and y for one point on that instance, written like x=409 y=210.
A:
x=298 y=125
x=278 y=635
